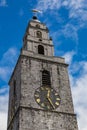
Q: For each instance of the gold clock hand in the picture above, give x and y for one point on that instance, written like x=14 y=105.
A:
x=51 y=102
x=48 y=94
x=48 y=97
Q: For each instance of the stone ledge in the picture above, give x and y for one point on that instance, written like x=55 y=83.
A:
x=51 y=111
x=43 y=57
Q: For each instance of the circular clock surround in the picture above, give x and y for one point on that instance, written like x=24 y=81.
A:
x=47 y=97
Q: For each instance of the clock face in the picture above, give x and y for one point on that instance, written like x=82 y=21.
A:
x=47 y=97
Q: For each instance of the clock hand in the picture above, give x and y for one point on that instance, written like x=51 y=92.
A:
x=48 y=94
x=48 y=97
x=51 y=102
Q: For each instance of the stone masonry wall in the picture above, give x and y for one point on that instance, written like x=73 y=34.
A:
x=14 y=103
x=45 y=120
x=31 y=79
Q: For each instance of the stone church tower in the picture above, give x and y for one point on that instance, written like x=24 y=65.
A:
x=40 y=95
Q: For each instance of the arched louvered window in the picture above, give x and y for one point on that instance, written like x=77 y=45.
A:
x=40 y=49
x=46 y=78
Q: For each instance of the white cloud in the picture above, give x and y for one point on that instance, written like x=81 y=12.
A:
x=3 y=3
x=49 y=4
x=9 y=56
x=77 y=12
x=79 y=90
x=67 y=31
x=70 y=31
x=7 y=62
x=3 y=120
x=3 y=90
x=69 y=57
x=3 y=107
x=75 y=7
x=4 y=72
x=3 y=102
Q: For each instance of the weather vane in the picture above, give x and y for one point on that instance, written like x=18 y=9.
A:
x=35 y=11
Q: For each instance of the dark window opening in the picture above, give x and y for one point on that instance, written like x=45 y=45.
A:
x=46 y=78
x=37 y=25
x=40 y=39
x=40 y=49
x=39 y=34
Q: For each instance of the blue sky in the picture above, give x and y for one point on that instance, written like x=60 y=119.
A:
x=67 y=22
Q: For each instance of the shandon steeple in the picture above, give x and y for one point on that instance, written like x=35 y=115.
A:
x=40 y=95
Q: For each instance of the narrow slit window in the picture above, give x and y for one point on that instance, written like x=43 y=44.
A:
x=14 y=88
x=46 y=78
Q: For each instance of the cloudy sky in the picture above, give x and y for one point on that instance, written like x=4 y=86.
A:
x=67 y=22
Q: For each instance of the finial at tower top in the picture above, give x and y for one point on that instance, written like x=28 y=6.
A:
x=35 y=11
